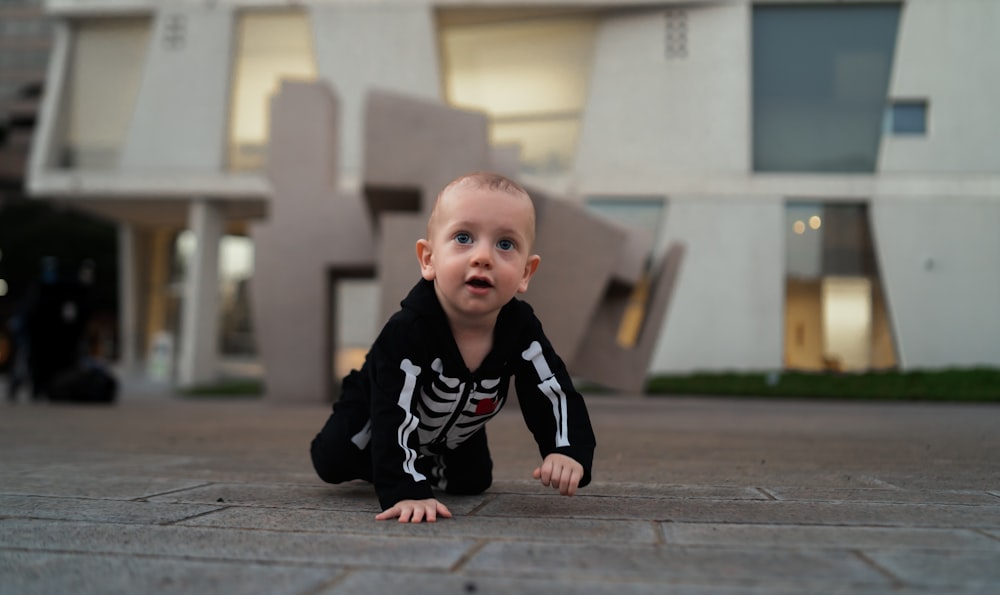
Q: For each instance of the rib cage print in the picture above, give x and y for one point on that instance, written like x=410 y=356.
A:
x=451 y=410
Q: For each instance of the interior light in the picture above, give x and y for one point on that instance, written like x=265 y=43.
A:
x=815 y=222
x=3 y=287
x=799 y=227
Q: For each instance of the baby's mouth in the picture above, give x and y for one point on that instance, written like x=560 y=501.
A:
x=479 y=283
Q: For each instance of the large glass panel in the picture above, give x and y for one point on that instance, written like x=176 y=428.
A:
x=820 y=80
x=835 y=312
x=271 y=46
x=105 y=72
x=529 y=76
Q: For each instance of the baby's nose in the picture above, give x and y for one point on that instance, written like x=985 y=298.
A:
x=482 y=257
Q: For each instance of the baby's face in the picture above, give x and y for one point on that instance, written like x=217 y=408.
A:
x=478 y=250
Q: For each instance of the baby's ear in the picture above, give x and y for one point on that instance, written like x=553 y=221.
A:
x=424 y=257
x=529 y=269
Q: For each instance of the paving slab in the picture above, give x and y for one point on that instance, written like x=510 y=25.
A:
x=94 y=485
x=380 y=583
x=104 y=511
x=356 y=523
x=262 y=547
x=751 y=566
x=942 y=569
x=640 y=490
x=791 y=536
x=353 y=496
x=749 y=511
x=896 y=496
x=30 y=573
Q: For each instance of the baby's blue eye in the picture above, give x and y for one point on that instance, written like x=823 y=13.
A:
x=463 y=238
x=505 y=245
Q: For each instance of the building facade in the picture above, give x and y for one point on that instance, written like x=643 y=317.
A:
x=25 y=38
x=832 y=168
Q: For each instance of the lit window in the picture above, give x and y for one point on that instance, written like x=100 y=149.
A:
x=102 y=86
x=272 y=46
x=529 y=76
x=906 y=117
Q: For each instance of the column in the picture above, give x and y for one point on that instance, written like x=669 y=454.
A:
x=200 y=309
x=128 y=299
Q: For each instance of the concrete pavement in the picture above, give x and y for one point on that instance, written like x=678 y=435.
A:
x=168 y=495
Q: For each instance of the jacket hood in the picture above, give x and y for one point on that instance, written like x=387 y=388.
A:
x=423 y=300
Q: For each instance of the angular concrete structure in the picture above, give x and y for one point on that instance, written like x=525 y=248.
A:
x=311 y=229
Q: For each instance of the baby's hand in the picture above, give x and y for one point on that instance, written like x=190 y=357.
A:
x=561 y=472
x=414 y=511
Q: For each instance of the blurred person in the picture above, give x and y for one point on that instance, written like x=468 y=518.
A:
x=20 y=371
x=413 y=418
x=56 y=323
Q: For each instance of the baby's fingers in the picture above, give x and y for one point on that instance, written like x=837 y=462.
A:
x=388 y=513
x=573 y=476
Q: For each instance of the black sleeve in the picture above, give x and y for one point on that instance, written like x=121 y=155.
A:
x=394 y=416
x=553 y=409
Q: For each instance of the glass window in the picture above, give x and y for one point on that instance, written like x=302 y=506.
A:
x=529 y=76
x=271 y=46
x=820 y=80
x=104 y=76
x=906 y=117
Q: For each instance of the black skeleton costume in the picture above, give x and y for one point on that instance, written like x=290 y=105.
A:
x=413 y=417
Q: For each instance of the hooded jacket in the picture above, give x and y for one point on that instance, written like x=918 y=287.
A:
x=424 y=401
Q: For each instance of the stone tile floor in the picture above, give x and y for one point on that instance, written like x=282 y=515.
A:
x=702 y=495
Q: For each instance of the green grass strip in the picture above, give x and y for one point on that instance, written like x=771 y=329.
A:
x=960 y=385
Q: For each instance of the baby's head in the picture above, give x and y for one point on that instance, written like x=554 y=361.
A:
x=480 y=182
x=478 y=246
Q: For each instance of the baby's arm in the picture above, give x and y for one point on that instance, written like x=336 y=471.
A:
x=561 y=472
x=414 y=511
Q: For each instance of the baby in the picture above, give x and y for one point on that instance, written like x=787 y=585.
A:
x=413 y=418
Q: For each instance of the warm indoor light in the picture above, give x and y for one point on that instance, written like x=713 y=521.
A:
x=815 y=222
x=799 y=227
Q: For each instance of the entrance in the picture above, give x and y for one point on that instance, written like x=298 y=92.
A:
x=835 y=310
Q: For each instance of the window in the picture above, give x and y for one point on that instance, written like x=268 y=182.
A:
x=906 y=117
x=820 y=80
x=271 y=46
x=529 y=76
x=104 y=76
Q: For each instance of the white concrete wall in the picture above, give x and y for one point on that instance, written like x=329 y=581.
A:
x=650 y=117
x=940 y=263
x=948 y=52
x=727 y=311
x=360 y=47
x=181 y=112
